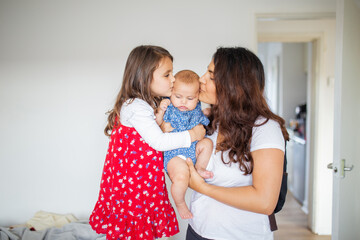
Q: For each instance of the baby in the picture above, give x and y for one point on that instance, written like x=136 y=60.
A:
x=183 y=113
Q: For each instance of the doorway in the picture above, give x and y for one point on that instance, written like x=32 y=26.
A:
x=316 y=35
x=288 y=71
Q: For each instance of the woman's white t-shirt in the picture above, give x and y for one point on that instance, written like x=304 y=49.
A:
x=140 y=115
x=215 y=220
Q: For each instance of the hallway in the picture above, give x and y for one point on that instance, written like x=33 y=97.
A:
x=292 y=223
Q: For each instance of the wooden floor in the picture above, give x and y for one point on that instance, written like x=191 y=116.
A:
x=292 y=223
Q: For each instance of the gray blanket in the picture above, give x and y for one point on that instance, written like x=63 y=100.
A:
x=72 y=231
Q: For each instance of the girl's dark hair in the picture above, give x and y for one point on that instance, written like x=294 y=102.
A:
x=239 y=81
x=138 y=74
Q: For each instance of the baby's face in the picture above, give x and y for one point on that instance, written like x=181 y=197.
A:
x=185 y=96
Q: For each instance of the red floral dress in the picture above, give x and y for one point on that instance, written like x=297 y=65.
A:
x=133 y=202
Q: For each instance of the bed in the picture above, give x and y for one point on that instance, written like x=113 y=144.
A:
x=50 y=226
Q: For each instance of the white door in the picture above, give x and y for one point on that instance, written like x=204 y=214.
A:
x=346 y=192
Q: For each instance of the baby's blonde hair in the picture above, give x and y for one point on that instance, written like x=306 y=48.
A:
x=187 y=77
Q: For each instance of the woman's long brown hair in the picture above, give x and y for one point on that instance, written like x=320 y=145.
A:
x=239 y=81
x=138 y=74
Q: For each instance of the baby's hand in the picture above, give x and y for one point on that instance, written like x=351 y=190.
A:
x=164 y=104
x=160 y=111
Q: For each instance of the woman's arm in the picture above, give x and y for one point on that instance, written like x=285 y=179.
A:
x=261 y=197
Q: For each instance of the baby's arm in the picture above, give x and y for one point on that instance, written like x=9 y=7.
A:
x=203 y=153
x=161 y=111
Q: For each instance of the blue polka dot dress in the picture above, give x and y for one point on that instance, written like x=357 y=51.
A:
x=182 y=121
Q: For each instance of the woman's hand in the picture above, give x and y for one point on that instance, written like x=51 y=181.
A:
x=196 y=182
x=166 y=127
x=197 y=133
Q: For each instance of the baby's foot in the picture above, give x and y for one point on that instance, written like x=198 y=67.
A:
x=205 y=174
x=184 y=211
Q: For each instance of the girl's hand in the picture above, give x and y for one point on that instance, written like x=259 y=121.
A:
x=206 y=111
x=166 y=127
x=197 y=133
x=196 y=182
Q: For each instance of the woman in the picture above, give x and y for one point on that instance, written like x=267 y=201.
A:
x=248 y=154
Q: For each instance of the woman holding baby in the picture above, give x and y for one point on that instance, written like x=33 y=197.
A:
x=247 y=156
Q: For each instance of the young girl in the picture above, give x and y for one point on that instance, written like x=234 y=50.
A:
x=133 y=201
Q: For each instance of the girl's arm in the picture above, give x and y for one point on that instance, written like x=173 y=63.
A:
x=261 y=197
x=206 y=111
x=142 y=118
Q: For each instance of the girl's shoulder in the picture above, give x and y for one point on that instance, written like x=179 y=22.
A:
x=135 y=105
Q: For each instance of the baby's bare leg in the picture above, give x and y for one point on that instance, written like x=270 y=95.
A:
x=203 y=153
x=179 y=174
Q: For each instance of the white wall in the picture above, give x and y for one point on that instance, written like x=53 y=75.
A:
x=293 y=79
x=286 y=88
x=61 y=64
x=270 y=55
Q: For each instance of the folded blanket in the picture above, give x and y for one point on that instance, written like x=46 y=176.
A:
x=80 y=230
x=43 y=220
